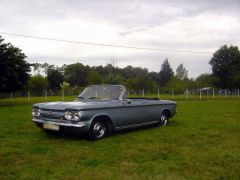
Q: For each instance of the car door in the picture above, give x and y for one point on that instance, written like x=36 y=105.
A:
x=132 y=112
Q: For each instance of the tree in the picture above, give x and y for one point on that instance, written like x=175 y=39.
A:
x=94 y=77
x=141 y=82
x=13 y=68
x=36 y=67
x=176 y=84
x=45 y=67
x=75 y=74
x=165 y=74
x=226 y=66
x=153 y=76
x=206 y=80
x=37 y=83
x=113 y=79
x=54 y=77
x=181 y=72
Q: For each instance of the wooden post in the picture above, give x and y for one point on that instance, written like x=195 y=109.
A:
x=158 y=93
x=172 y=93
x=143 y=93
x=45 y=95
x=213 y=93
x=200 y=95
x=63 y=95
x=225 y=93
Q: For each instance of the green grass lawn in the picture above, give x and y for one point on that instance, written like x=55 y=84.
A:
x=201 y=142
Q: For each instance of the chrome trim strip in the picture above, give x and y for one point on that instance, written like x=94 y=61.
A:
x=59 y=124
x=136 y=125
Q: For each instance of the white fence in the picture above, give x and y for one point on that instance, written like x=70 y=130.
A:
x=204 y=93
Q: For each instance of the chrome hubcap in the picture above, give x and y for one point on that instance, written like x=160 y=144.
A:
x=99 y=129
x=164 y=120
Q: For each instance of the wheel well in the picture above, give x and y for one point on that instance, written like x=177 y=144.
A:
x=106 y=120
x=167 y=111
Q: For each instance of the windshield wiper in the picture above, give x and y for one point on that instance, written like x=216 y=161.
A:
x=92 y=97
x=80 y=97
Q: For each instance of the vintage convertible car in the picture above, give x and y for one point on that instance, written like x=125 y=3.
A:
x=100 y=110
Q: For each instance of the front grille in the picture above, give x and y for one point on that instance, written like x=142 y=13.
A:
x=52 y=114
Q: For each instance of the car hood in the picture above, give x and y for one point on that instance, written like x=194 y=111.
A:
x=73 y=105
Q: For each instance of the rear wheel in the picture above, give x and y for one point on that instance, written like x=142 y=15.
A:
x=98 y=130
x=164 y=119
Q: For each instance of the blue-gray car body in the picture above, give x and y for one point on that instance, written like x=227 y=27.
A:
x=118 y=113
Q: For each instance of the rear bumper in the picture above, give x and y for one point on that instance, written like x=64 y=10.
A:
x=78 y=128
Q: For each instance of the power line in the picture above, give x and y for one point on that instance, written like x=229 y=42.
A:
x=106 y=45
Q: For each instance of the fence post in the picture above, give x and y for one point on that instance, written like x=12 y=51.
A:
x=172 y=93
x=200 y=95
x=225 y=93
x=63 y=95
x=45 y=95
x=158 y=93
x=213 y=93
x=28 y=95
x=11 y=96
x=238 y=92
x=143 y=93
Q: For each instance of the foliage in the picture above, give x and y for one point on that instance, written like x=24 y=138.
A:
x=226 y=66
x=13 y=68
x=139 y=83
x=55 y=78
x=113 y=79
x=45 y=66
x=37 y=83
x=177 y=85
x=14 y=73
x=94 y=77
x=165 y=74
x=36 y=67
x=206 y=80
x=76 y=74
x=181 y=72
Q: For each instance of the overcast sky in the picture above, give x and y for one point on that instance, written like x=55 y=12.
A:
x=200 y=25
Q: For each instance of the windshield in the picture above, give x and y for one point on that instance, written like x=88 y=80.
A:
x=101 y=92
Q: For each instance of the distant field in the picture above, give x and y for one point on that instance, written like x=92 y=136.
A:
x=201 y=142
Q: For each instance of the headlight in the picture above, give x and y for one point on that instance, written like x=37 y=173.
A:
x=72 y=116
x=36 y=112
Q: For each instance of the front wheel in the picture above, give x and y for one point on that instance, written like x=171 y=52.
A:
x=97 y=130
x=164 y=119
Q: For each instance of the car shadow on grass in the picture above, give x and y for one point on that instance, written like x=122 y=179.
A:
x=84 y=136
x=66 y=136
x=144 y=128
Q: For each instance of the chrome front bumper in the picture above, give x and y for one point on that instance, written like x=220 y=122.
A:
x=78 y=125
